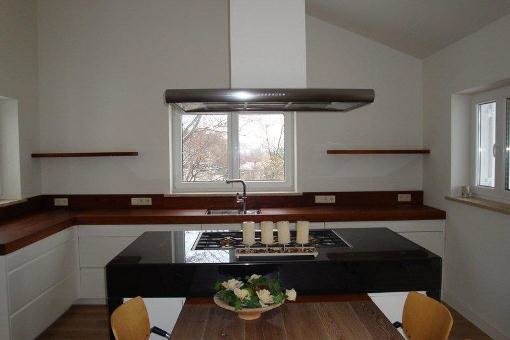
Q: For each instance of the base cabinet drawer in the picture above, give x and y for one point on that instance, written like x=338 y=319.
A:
x=35 y=317
x=38 y=283
x=33 y=278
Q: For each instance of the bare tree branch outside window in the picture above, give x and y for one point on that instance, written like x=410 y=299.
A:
x=204 y=148
x=262 y=149
x=205 y=143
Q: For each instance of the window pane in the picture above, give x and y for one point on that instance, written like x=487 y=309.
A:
x=204 y=147
x=262 y=147
x=486 y=141
x=507 y=162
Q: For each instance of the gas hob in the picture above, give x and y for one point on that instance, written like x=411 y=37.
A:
x=234 y=239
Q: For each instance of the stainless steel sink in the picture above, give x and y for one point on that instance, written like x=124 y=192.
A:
x=232 y=212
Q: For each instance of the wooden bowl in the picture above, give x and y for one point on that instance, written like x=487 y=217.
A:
x=245 y=313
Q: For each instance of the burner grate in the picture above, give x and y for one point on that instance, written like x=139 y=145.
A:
x=234 y=239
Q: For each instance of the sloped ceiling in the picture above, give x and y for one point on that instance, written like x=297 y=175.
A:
x=416 y=27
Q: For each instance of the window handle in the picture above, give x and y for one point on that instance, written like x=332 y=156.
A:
x=494 y=150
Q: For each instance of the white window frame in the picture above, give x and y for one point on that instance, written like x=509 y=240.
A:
x=499 y=192
x=177 y=186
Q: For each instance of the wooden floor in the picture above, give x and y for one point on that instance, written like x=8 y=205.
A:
x=90 y=322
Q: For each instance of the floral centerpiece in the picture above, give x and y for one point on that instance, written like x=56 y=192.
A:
x=252 y=295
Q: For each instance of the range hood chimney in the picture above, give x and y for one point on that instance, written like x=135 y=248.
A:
x=268 y=66
x=221 y=100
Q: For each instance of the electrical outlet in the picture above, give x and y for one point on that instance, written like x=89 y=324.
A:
x=325 y=199
x=141 y=201
x=61 y=202
x=404 y=197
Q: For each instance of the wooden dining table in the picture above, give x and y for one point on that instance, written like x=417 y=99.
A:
x=310 y=317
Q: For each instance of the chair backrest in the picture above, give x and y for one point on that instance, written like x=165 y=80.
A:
x=130 y=321
x=425 y=318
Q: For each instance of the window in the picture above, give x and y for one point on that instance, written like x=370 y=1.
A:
x=486 y=144
x=492 y=144
x=209 y=148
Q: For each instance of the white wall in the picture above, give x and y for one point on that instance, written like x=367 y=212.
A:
x=341 y=59
x=104 y=65
x=476 y=273
x=103 y=68
x=18 y=80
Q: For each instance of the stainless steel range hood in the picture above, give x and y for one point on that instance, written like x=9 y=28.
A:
x=220 y=100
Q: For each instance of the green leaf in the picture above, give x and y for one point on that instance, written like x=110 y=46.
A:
x=252 y=302
x=237 y=304
x=274 y=287
x=217 y=286
x=279 y=298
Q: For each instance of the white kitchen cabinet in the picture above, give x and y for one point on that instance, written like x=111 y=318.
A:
x=37 y=284
x=33 y=278
x=4 y=300
x=427 y=233
x=99 y=244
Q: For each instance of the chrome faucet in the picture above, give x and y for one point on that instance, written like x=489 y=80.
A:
x=242 y=199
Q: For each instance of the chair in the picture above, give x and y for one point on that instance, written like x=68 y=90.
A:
x=130 y=321
x=424 y=318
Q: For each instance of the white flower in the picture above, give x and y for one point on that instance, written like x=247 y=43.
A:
x=265 y=297
x=291 y=294
x=241 y=293
x=231 y=284
x=254 y=277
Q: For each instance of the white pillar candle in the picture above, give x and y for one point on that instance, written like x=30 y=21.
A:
x=283 y=232
x=302 y=228
x=249 y=233
x=266 y=232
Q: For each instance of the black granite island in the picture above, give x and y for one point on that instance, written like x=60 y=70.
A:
x=169 y=264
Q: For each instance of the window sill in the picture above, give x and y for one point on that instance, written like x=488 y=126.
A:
x=500 y=207
x=227 y=193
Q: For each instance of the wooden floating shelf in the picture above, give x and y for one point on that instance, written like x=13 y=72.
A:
x=83 y=154
x=377 y=152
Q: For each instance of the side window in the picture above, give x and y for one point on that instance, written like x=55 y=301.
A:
x=486 y=144
x=491 y=146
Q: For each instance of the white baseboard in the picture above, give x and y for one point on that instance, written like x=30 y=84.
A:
x=474 y=317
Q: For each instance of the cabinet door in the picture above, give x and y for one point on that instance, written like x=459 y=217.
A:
x=34 y=278
x=42 y=283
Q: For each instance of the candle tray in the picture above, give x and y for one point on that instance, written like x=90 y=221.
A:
x=276 y=252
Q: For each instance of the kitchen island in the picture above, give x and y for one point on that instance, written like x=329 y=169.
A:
x=167 y=264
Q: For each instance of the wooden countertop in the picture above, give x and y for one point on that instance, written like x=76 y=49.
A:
x=22 y=231
x=308 y=319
